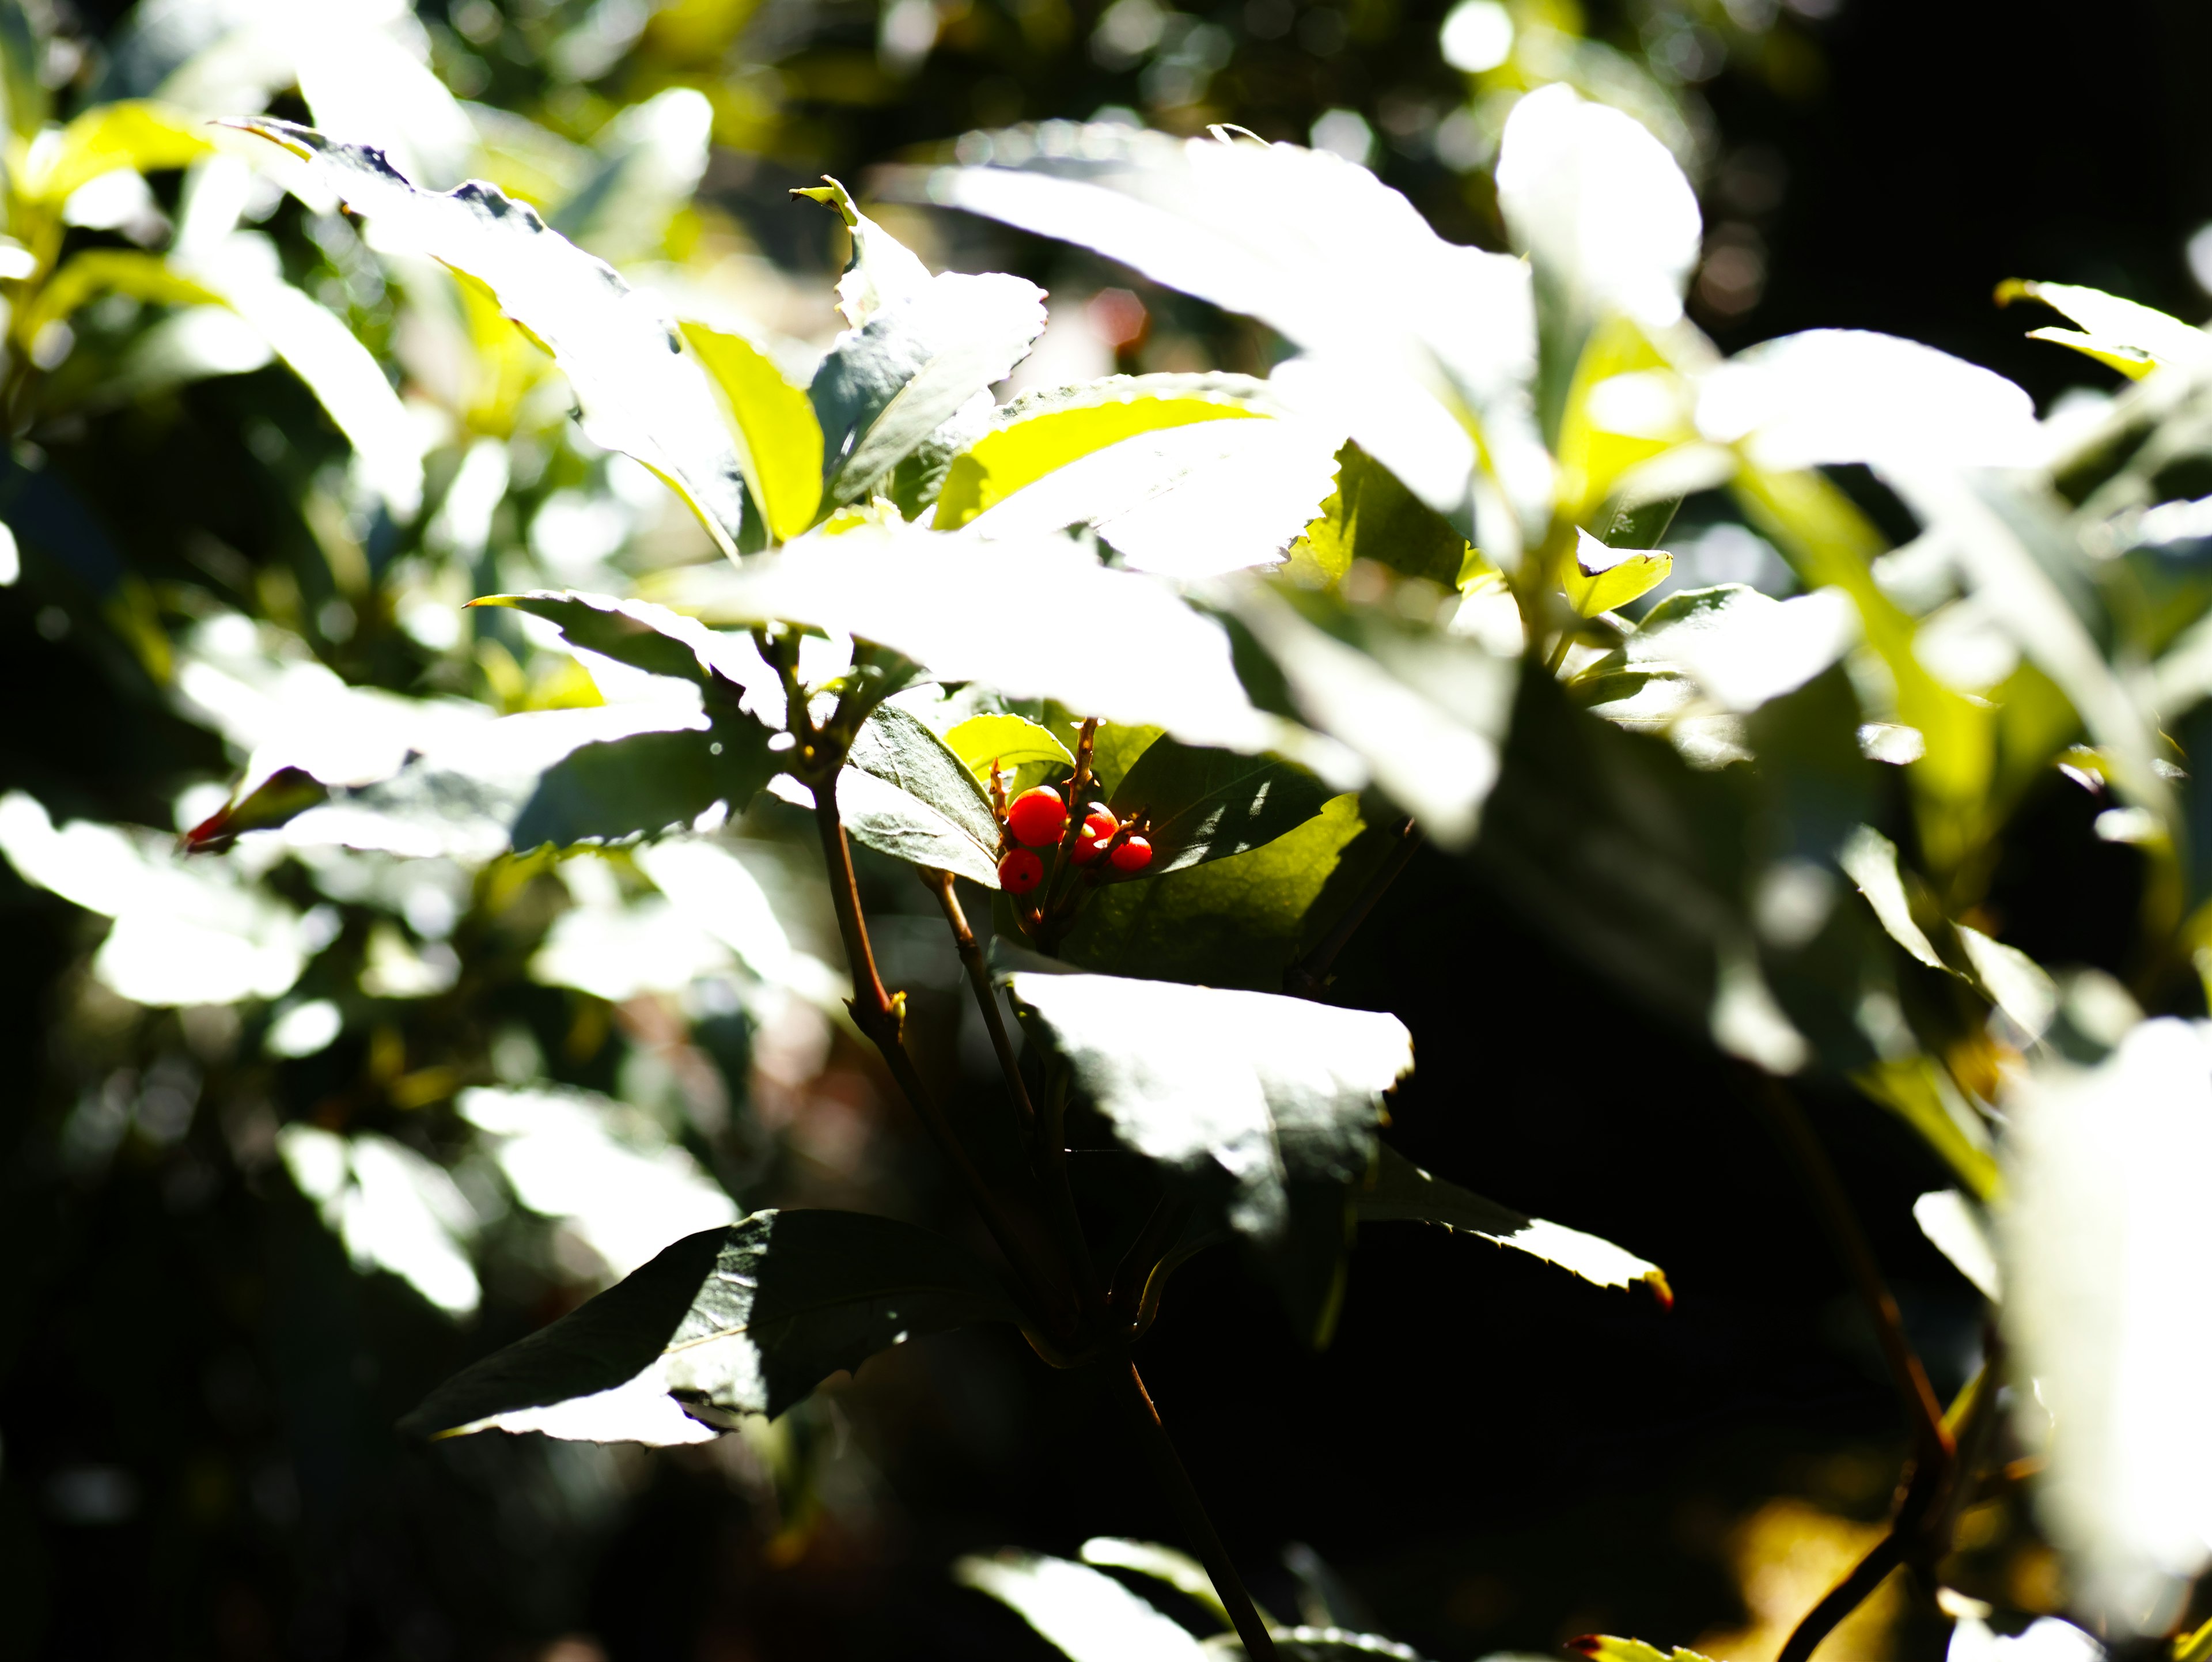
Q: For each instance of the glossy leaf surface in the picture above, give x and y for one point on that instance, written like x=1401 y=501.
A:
x=1205 y=804
x=779 y=440
x=906 y=793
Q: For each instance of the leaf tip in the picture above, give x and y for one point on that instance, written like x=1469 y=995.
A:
x=1656 y=1281
x=1590 y=1644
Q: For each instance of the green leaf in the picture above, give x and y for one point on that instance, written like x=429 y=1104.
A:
x=1085 y=1614
x=94 y=271
x=1039 y=432
x=728 y=1322
x=1177 y=1569
x=1372 y=516
x=145 y=137
x=971 y=612
x=645 y=784
x=1008 y=741
x=1206 y=804
x=907 y=793
x=634 y=632
x=1264 y=1107
x=778 y=441
x=1236 y=922
x=1421 y=709
x=920 y=349
x=1599 y=1648
x=1604 y=579
x=1403 y=1193
x=639 y=393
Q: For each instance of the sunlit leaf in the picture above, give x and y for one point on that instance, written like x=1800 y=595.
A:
x=779 y=440
x=1600 y=206
x=642 y=635
x=883 y=272
x=1957 y=1230
x=1371 y=516
x=1177 y=1569
x=1423 y=709
x=395 y=1209
x=1188 y=500
x=1403 y=1193
x=639 y=394
x=1203 y=804
x=1085 y=1614
x=1315 y=246
x=1236 y=922
x=1006 y=741
x=2132 y=339
x=1851 y=395
x=1041 y=431
x=1265 y=1106
x=94 y=271
x=1599 y=1648
x=131 y=133
x=1142 y=655
x=729 y=1322
x=906 y=793
x=1602 y=579
x=2106 y=1263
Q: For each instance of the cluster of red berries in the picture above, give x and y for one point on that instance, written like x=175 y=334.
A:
x=1038 y=820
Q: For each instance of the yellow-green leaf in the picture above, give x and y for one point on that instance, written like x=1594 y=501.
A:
x=111 y=271
x=1373 y=516
x=1007 y=740
x=1601 y=1647
x=134 y=133
x=1601 y=579
x=778 y=441
x=2133 y=338
x=1026 y=449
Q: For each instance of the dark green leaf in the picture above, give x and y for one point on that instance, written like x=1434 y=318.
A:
x=634 y=632
x=1207 y=804
x=907 y=793
x=743 y=1320
x=646 y=784
x=1264 y=1107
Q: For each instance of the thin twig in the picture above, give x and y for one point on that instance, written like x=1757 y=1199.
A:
x=1846 y=1596
x=1306 y=977
x=987 y=999
x=1934 y=1440
x=1168 y=1466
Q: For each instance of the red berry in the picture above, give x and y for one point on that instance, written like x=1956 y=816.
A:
x=1098 y=828
x=1021 y=871
x=1038 y=817
x=1133 y=855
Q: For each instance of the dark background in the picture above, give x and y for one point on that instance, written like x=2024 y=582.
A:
x=1492 y=1455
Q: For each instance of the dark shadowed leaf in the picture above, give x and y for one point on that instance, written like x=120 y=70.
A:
x=1207 y=804
x=1403 y=1193
x=638 y=393
x=744 y=1320
x=634 y=632
x=1372 y=516
x=645 y=784
x=907 y=793
x=1265 y=1107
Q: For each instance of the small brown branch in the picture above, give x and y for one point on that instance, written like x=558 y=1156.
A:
x=1027 y=1246
x=1846 y=1596
x=1932 y=1438
x=1306 y=977
x=1168 y=1467
x=987 y=999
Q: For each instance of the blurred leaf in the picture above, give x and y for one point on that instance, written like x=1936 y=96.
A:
x=2134 y=340
x=143 y=137
x=1236 y=922
x=1142 y=655
x=1604 y=579
x=778 y=441
x=283 y=795
x=1334 y=1644
x=728 y=1322
x=1371 y=516
x=1208 y=804
x=1177 y=1569
x=1403 y=1193
x=1085 y=1614
x=1955 y=1227
x=1918 y=1091
x=1598 y=1648
x=639 y=394
x=646 y=784
x=905 y=793
x=1422 y=708
x=1410 y=329
x=1041 y=431
x=1265 y=1107
x=94 y=271
x=1007 y=741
